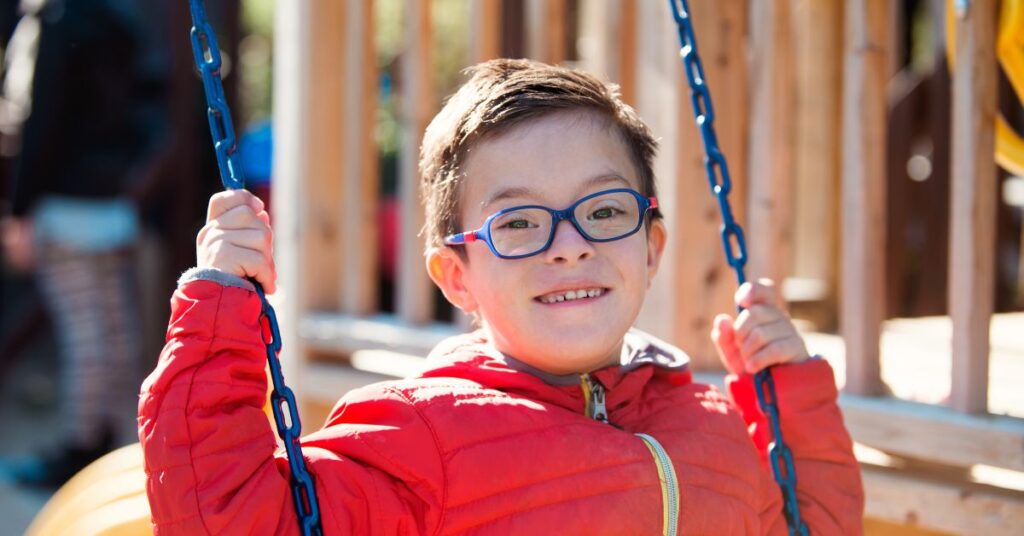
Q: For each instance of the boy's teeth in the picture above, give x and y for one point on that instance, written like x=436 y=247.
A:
x=571 y=295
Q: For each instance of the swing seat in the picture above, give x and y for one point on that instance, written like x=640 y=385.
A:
x=106 y=498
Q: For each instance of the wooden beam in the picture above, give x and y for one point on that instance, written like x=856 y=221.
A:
x=770 y=201
x=972 y=225
x=865 y=74
x=818 y=49
x=918 y=501
x=414 y=290
x=485 y=30
x=360 y=181
x=934 y=433
x=322 y=192
x=659 y=83
x=291 y=171
x=547 y=30
x=607 y=43
x=627 y=46
x=705 y=284
x=344 y=334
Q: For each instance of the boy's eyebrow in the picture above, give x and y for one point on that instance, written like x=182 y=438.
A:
x=523 y=191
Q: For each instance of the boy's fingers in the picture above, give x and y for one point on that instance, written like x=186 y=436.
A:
x=257 y=239
x=753 y=316
x=238 y=217
x=762 y=336
x=760 y=292
x=222 y=202
x=724 y=337
x=787 y=350
x=258 y=266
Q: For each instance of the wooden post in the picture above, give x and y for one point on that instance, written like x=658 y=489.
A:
x=547 y=30
x=818 y=46
x=627 y=45
x=608 y=43
x=771 y=126
x=360 y=182
x=865 y=73
x=659 y=81
x=485 y=30
x=972 y=233
x=322 y=192
x=705 y=284
x=291 y=164
x=414 y=301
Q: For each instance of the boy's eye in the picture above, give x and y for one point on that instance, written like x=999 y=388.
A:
x=517 y=220
x=518 y=224
x=604 y=213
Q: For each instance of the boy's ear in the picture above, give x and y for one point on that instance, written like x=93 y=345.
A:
x=657 y=236
x=447 y=270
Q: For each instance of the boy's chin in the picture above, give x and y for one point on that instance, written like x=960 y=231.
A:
x=567 y=352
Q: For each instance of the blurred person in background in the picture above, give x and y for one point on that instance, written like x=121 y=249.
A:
x=81 y=114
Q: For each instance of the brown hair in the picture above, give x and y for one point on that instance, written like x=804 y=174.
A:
x=503 y=93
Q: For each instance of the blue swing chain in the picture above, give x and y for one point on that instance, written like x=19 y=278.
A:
x=207 y=57
x=779 y=454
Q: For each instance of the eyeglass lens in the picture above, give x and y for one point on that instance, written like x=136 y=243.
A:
x=604 y=217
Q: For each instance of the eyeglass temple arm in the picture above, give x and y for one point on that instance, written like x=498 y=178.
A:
x=654 y=202
x=461 y=238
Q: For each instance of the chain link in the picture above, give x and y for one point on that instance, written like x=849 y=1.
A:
x=780 y=456
x=282 y=399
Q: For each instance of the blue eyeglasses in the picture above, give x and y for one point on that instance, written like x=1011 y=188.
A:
x=523 y=231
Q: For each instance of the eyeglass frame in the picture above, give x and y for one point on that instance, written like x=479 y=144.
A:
x=646 y=204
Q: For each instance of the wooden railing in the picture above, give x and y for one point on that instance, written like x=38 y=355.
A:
x=801 y=115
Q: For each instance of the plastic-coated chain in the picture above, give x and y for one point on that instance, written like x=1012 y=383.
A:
x=282 y=399
x=735 y=251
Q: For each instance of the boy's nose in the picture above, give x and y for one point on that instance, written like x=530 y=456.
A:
x=568 y=245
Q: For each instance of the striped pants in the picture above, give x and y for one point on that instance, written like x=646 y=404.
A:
x=92 y=301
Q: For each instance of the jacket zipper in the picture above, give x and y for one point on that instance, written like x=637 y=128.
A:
x=595 y=408
x=669 y=484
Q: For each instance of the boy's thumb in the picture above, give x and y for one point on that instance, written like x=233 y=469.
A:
x=724 y=336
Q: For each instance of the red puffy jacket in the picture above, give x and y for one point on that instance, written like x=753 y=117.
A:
x=477 y=445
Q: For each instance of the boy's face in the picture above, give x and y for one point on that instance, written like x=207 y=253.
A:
x=551 y=161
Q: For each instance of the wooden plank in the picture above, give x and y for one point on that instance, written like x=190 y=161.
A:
x=607 y=43
x=360 y=181
x=934 y=433
x=770 y=201
x=344 y=334
x=818 y=45
x=704 y=282
x=547 y=30
x=959 y=508
x=659 y=81
x=322 y=192
x=863 y=189
x=414 y=290
x=627 y=46
x=972 y=223
x=485 y=30
x=291 y=117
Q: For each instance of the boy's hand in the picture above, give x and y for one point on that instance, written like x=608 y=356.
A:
x=237 y=238
x=760 y=336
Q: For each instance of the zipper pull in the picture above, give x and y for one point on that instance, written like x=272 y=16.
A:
x=598 y=411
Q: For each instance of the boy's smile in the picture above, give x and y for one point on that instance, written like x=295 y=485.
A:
x=566 y=308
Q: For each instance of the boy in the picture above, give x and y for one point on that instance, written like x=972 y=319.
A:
x=555 y=416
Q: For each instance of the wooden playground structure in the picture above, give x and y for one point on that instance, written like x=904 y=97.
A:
x=808 y=114
x=798 y=102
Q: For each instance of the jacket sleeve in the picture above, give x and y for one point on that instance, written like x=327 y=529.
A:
x=211 y=458
x=829 y=490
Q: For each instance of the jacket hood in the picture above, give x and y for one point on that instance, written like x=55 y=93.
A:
x=644 y=358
